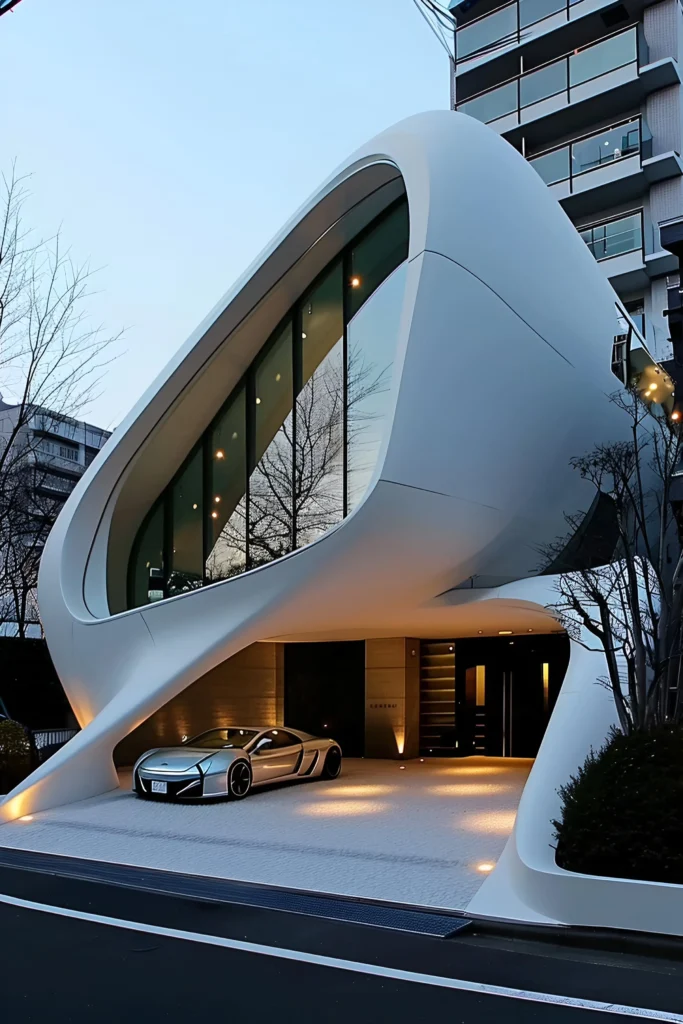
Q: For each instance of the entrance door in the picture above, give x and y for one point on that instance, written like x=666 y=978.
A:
x=325 y=691
x=506 y=688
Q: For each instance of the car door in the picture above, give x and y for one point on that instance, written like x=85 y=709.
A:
x=276 y=754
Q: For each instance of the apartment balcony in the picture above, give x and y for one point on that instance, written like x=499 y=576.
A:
x=491 y=34
x=605 y=168
x=557 y=99
x=619 y=246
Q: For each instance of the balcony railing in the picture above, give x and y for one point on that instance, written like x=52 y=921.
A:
x=589 y=152
x=614 y=237
x=556 y=78
x=505 y=25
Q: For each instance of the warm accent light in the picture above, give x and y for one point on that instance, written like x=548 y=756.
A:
x=355 y=282
x=504 y=632
x=195 y=505
x=468 y=789
x=26 y=817
x=258 y=401
x=358 y=790
x=341 y=808
x=401 y=767
x=277 y=376
x=675 y=415
x=214 y=515
x=485 y=867
x=216 y=499
x=490 y=822
x=220 y=454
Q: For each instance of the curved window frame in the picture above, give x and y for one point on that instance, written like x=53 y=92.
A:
x=292 y=321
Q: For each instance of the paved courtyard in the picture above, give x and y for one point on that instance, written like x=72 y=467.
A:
x=418 y=834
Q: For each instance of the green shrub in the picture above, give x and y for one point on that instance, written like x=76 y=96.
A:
x=622 y=813
x=15 y=754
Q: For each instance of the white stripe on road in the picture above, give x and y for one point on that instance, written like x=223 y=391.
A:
x=374 y=970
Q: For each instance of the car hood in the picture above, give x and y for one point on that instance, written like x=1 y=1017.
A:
x=176 y=759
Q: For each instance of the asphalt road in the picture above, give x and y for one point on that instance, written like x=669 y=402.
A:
x=74 y=971
x=70 y=969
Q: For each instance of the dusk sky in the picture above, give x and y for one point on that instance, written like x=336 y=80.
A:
x=171 y=140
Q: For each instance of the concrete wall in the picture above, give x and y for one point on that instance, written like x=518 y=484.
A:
x=247 y=689
x=392 y=697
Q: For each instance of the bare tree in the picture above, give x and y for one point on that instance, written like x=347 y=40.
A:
x=51 y=360
x=632 y=606
x=298 y=482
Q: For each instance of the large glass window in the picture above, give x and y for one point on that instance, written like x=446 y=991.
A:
x=603 y=57
x=615 y=237
x=147 y=577
x=371 y=352
x=187 y=547
x=319 y=444
x=226 y=513
x=271 y=525
x=294 y=447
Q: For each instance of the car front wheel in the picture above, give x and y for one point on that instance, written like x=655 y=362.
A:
x=333 y=763
x=239 y=780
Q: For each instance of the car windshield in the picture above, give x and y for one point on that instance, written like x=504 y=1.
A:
x=222 y=738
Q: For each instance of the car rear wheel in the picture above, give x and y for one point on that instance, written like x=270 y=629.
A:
x=239 y=780
x=333 y=763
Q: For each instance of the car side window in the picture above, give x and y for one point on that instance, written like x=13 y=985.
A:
x=283 y=739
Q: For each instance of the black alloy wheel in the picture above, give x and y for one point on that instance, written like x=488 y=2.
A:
x=239 y=780
x=333 y=763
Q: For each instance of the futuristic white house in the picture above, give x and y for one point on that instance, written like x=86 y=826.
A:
x=367 y=439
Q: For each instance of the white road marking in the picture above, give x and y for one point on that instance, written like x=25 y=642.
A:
x=374 y=970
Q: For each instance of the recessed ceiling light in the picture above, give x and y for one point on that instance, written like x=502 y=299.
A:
x=216 y=499
x=504 y=632
x=214 y=515
x=220 y=454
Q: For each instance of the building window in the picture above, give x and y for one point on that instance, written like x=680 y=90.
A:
x=293 y=449
x=636 y=310
x=615 y=237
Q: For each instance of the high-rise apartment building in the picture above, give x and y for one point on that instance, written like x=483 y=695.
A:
x=590 y=93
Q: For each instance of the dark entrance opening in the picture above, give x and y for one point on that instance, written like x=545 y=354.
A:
x=325 y=691
x=490 y=695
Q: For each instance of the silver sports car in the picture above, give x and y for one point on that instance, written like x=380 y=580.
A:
x=228 y=762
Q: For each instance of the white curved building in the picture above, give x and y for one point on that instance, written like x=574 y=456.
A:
x=357 y=458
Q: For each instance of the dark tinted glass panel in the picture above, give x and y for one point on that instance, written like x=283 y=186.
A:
x=603 y=57
x=539 y=85
x=319 y=473
x=372 y=336
x=226 y=511
x=553 y=166
x=147 y=581
x=270 y=484
x=374 y=258
x=187 y=550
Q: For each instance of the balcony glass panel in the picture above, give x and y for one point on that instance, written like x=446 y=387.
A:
x=553 y=166
x=615 y=237
x=603 y=57
x=492 y=105
x=606 y=148
x=547 y=81
x=487 y=31
x=531 y=11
